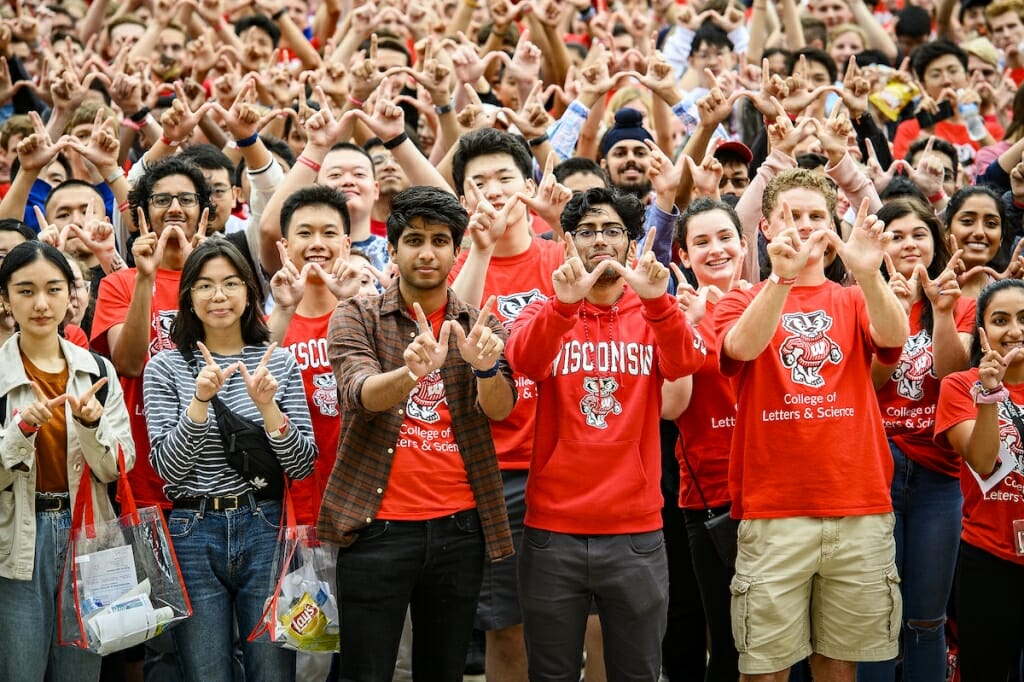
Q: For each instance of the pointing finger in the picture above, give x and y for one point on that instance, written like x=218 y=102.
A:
x=206 y=354
x=40 y=396
x=85 y=397
x=890 y=267
x=485 y=312
x=649 y=242
x=421 y=320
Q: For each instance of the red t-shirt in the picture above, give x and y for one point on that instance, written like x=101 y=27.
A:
x=379 y=228
x=954 y=133
x=909 y=398
x=808 y=439
x=517 y=281
x=991 y=504
x=428 y=475
x=705 y=430
x=112 y=303
x=76 y=335
x=306 y=339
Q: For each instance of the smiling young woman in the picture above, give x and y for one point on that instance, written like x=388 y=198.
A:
x=224 y=527
x=55 y=424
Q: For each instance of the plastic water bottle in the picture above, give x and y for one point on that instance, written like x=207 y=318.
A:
x=975 y=123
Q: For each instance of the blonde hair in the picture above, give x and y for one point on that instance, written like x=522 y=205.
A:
x=841 y=29
x=86 y=113
x=1000 y=7
x=797 y=178
x=625 y=95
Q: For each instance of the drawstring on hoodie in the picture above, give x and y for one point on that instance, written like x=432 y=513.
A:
x=613 y=321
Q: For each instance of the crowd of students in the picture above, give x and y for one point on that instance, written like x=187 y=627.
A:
x=680 y=338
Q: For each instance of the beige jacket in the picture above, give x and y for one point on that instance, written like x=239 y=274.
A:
x=97 y=446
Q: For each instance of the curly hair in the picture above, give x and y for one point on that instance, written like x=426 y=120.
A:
x=139 y=195
x=796 y=178
x=626 y=205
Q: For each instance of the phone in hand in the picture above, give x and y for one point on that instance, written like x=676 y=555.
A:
x=927 y=119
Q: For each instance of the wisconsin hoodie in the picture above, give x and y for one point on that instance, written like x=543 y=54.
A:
x=596 y=466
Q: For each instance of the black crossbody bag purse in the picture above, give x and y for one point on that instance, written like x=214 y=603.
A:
x=722 y=528
x=247 y=448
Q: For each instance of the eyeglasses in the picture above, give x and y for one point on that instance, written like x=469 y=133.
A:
x=611 y=235
x=185 y=199
x=229 y=287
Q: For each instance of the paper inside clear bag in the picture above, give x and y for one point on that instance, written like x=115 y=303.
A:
x=121 y=584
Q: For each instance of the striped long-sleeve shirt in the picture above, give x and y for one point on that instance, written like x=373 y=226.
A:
x=189 y=456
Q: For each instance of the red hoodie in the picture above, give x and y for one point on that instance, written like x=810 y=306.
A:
x=596 y=467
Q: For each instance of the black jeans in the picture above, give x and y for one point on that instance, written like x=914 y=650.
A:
x=990 y=615
x=713 y=578
x=434 y=568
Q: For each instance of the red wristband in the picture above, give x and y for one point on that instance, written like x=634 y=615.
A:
x=358 y=103
x=937 y=197
x=123 y=206
x=128 y=123
x=26 y=428
x=169 y=142
x=1018 y=204
x=310 y=163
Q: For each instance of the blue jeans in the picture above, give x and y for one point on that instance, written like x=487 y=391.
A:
x=227 y=561
x=432 y=568
x=28 y=615
x=928 y=514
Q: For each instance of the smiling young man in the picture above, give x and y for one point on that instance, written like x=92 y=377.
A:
x=314 y=222
x=816 y=567
x=415 y=499
x=508 y=261
x=598 y=350
x=136 y=306
x=348 y=168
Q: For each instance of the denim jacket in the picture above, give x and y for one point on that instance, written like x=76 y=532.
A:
x=97 y=446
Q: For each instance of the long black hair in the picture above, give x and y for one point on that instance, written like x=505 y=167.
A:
x=29 y=252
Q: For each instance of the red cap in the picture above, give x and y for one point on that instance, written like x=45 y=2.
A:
x=737 y=148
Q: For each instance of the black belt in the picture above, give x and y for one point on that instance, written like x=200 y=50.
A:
x=52 y=503
x=227 y=503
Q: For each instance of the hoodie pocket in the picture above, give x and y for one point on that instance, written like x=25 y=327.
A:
x=596 y=478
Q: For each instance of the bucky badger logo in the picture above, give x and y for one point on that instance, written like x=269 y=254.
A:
x=325 y=394
x=915 y=364
x=161 y=323
x=510 y=306
x=599 y=401
x=424 y=399
x=1009 y=437
x=808 y=349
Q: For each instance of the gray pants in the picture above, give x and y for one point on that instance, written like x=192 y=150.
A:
x=627 y=575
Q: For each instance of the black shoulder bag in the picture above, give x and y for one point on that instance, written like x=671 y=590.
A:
x=246 y=446
x=722 y=528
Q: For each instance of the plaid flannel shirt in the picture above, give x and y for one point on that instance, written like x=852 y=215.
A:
x=366 y=337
